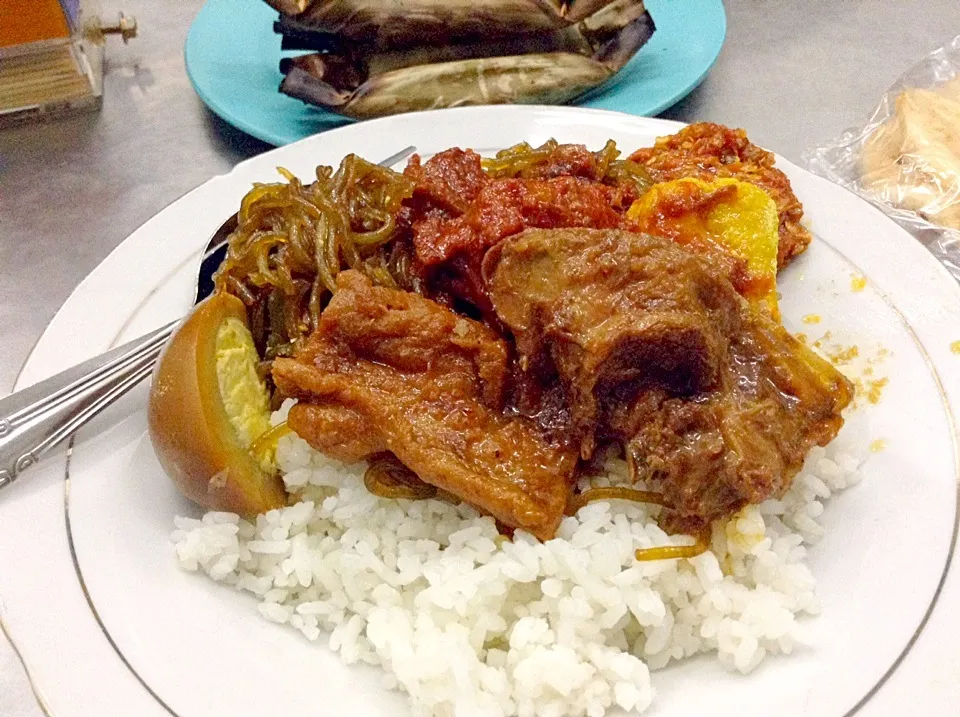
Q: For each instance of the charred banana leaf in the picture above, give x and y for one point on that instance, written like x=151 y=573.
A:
x=393 y=24
x=547 y=68
x=548 y=78
x=577 y=10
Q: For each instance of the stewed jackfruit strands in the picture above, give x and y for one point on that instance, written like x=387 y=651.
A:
x=386 y=56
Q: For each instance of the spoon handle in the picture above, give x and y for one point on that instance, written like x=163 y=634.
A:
x=38 y=418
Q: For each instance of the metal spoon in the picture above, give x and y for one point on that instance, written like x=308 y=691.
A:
x=37 y=419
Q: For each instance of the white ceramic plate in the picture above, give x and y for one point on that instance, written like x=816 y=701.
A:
x=136 y=636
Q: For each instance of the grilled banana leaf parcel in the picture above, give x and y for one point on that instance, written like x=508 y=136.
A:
x=539 y=67
x=392 y=24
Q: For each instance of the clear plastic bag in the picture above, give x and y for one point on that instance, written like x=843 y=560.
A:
x=906 y=158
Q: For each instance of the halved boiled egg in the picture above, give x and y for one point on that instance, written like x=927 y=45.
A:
x=207 y=408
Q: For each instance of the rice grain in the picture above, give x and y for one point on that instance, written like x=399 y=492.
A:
x=468 y=623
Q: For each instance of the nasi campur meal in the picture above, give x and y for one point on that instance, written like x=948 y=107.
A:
x=516 y=428
x=369 y=58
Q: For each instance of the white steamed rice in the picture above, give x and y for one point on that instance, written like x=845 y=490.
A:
x=468 y=623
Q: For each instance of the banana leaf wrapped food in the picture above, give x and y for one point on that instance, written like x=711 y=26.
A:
x=380 y=58
x=392 y=24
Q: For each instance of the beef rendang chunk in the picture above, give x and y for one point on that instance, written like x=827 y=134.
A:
x=716 y=404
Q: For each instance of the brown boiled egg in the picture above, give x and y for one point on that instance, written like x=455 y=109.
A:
x=208 y=406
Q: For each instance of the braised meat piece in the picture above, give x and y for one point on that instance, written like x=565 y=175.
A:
x=388 y=370
x=605 y=308
x=448 y=182
x=706 y=150
x=507 y=206
x=458 y=211
x=744 y=441
x=655 y=349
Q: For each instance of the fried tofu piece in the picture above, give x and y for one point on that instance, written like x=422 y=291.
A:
x=388 y=370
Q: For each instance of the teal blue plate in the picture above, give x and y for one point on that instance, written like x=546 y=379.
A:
x=232 y=57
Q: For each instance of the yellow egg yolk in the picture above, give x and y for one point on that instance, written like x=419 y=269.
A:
x=244 y=394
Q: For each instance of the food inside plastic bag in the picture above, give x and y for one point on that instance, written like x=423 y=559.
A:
x=906 y=159
x=913 y=159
